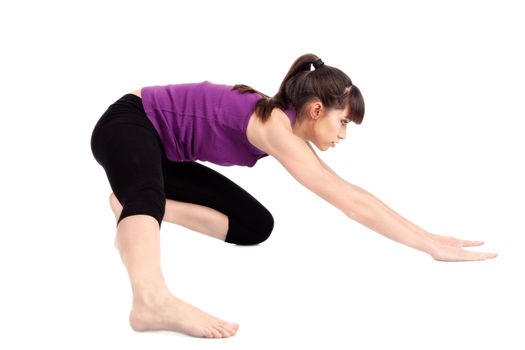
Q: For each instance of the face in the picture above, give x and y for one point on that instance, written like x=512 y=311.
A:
x=329 y=127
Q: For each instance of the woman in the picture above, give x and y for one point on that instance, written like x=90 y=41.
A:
x=148 y=142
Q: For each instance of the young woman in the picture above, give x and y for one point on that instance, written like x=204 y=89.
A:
x=148 y=143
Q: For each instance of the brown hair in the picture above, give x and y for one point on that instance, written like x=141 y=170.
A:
x=301 y=84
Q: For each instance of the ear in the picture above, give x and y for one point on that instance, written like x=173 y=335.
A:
x=314 y=109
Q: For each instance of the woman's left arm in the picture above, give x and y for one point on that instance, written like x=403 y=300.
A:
x=357 y=188
x=440 y=240
x=279 y=141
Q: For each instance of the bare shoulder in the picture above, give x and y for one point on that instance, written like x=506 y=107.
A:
x=276 y=138
x=263 y=134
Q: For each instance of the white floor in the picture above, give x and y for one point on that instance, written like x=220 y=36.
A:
x=442 y=144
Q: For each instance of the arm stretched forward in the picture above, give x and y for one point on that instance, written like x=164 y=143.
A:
x=302 y=163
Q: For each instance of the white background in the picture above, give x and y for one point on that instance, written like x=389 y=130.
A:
x=442 y=143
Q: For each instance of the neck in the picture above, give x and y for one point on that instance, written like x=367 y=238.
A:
x=302 y=129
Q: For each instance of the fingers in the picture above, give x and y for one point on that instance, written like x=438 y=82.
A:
x=447 y=253
x=455 y=242
x=475 y=256
x=462 y=243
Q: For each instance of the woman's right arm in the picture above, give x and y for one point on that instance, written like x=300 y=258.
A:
x=299 y=160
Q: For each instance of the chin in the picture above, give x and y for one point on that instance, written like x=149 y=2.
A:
x=322 y=147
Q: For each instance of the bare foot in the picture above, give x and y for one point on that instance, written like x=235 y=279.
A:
x=173 y=314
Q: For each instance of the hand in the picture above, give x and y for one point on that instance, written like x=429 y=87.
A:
x=454 y=242
x=450 y=249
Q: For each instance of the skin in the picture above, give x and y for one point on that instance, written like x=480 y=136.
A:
x=322 y=126
x=138 y=236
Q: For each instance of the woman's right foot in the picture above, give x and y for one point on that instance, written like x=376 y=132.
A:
x=173 y=314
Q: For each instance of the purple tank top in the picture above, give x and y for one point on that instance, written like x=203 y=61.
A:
x=204 y=121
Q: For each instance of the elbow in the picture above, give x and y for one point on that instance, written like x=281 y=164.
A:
x=355 y=212
x=358 y=208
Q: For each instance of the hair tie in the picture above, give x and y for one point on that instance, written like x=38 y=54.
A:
x=318 y=63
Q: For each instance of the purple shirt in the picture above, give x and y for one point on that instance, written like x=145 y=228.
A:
x=204 y=121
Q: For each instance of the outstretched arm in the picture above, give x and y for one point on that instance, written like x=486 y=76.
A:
x=301 y=162
x=445 y=242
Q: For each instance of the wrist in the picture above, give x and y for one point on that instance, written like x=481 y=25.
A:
x=427 y=244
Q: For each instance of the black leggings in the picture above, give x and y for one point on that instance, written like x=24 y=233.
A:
x=127 y=146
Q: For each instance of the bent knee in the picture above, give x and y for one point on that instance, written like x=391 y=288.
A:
x=252 y=233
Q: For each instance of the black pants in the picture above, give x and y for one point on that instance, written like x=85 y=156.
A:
x=127 y=146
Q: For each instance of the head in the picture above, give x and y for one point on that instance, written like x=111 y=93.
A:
x=328 y=85
x=322 y=96
x=324 y=127
x=325 y=99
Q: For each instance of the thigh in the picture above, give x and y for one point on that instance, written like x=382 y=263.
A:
x=132 y=161
x=195 y=183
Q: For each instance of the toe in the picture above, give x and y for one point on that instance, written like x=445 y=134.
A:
x=210 y=333
x=216 y=333
x=225 y=331
x=228 y=326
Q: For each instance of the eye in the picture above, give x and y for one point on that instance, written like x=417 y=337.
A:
x=344 y=121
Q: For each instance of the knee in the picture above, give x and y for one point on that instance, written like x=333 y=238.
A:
x=264 y=228
x=252 y=233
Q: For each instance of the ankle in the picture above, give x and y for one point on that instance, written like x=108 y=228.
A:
x=151 y=297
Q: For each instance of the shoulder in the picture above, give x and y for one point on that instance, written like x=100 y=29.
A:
x=261 y=134
x=278 y=120
x=294 y=153
x=276 y=138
